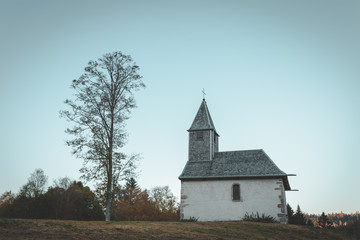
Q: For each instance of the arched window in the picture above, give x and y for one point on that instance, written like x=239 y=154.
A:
x=236 y=192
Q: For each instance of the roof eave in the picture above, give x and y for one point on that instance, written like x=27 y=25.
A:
x=227 y=177
x=203 y=129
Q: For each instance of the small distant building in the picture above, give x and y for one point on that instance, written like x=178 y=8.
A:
x=224 y=186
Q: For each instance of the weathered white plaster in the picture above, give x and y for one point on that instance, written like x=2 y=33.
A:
x=211 y=200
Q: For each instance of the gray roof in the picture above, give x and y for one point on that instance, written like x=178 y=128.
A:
x=234 y=164
x=202 y=119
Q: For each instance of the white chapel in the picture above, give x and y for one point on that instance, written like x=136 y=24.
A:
x=224 y=186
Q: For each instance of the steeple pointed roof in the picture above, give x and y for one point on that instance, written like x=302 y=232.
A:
x=202 y=119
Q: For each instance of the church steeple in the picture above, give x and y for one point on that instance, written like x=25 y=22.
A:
x=203 y=138
x=202 y=119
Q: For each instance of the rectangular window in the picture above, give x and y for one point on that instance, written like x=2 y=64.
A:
x=199 y=136
x=236 y=192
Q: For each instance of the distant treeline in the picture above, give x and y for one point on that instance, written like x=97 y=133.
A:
x=75 y=202
x=341 y=222
x=331 y=220
x=336 y=219
x=72 y=200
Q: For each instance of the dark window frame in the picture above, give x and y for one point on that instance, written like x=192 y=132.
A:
x=235 y=196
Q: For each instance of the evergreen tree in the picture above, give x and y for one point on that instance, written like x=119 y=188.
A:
x=299 y=218
x=130 y=192
x=290 y=213
x=131 y=183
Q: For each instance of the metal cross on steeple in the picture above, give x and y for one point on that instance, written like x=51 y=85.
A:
x=203 y=91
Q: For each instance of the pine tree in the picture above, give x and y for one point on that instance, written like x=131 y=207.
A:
x=131 y=183
x=290 y=213
x=299 y=218
x=324 y=221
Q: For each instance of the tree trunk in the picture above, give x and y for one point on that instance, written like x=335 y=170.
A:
x=110 y=172
x=109 y=189
x=108 y=205
x=109 y=192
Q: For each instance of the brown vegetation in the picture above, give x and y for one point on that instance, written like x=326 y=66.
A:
x=133 y=204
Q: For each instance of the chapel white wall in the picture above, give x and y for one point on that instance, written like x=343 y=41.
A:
x=212 y=200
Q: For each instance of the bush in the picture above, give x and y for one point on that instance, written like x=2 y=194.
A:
x=256 y=218
x=191 y=219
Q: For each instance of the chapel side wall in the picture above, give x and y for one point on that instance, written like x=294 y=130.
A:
x=212 y=200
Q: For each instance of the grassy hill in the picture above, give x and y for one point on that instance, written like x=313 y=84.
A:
x=59 y=229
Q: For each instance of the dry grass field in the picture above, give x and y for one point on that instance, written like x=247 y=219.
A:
x=58 y=229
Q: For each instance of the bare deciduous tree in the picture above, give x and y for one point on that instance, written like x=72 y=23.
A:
x=63 y=182
x=103 y=100
x=36 y=184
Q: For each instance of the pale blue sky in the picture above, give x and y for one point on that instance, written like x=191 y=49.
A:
x=283 y=76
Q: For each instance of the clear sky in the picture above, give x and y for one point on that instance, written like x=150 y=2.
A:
x=283 y=76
